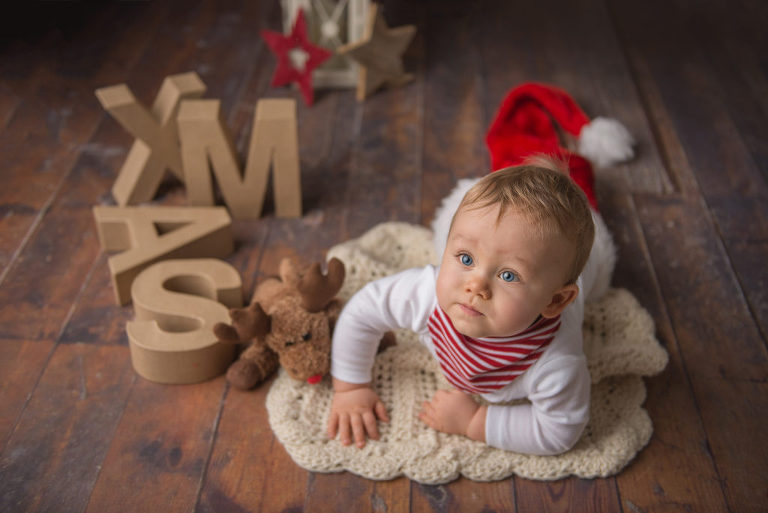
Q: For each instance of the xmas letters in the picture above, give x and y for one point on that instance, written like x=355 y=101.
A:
x=176 y=302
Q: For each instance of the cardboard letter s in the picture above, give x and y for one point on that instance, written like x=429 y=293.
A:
x=177 y=303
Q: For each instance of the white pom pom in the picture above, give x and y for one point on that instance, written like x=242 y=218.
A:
x=441 y=224
x=605 y=142
x=602 y=258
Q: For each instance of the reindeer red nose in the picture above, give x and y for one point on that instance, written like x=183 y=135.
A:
x=314 y=380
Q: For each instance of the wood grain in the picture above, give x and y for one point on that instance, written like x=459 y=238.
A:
x=54 y=116
x=160 y=449
x=465 y=495
x=675 y=470
x=455 y=120
x=21 y=364
x=716 y=314
x=53 y=457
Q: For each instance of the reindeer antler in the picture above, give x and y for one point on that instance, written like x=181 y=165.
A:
x=247 y=323
x=316 y=289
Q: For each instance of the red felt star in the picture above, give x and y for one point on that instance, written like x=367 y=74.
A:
x=296 y=57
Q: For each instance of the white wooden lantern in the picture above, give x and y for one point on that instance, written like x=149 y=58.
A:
x=330 y=24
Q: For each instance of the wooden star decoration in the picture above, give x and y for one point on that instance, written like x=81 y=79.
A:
x=379 y=53
x=296 y=56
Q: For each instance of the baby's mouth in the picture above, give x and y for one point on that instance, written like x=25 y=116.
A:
x=468 y=310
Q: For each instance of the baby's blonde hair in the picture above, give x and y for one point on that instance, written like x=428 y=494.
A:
x=542 y=191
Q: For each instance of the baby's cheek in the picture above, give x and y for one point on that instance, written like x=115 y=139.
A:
x=442 y=290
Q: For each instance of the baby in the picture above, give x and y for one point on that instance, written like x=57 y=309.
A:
x=502 y=315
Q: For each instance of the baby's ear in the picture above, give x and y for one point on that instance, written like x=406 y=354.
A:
x=562 y=298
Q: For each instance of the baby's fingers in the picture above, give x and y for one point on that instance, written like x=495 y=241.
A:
x=358 y=429
x=427 y=415
x=381 y=411
x=333 y=425
x=369 y=420
x=344 y=435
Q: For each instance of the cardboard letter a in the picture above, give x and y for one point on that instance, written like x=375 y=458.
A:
x=148 y=234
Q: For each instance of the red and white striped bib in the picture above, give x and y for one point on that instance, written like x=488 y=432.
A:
x=482 y=365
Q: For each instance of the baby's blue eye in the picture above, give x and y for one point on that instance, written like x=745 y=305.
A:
x=508 y=276
x=465 y=259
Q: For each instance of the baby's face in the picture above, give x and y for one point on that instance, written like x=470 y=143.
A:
x=495 y=279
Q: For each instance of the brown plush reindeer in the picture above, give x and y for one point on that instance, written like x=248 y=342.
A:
x=289 y=321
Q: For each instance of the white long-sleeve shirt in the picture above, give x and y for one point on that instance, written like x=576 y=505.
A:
x=557 y=385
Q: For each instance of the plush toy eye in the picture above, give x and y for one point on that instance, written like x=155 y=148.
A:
x=289 y=343
x=306 y=336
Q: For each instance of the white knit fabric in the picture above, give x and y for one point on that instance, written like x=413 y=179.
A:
x=618 y=340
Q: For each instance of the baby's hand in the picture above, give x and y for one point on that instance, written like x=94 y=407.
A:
x=354 y=411
x=454 y=412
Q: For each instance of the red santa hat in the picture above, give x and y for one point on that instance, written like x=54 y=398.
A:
x=524 y=126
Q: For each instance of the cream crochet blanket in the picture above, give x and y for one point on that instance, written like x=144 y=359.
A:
x=618 y=340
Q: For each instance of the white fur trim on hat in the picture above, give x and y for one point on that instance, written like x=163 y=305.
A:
x=441 y=224
x=605 y=142
x=603 y=257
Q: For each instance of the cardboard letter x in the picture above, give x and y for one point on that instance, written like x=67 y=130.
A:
x=156 y=147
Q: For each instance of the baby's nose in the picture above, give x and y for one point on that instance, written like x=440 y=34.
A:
x=478 y=284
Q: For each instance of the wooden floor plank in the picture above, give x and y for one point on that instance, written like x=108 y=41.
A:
x=675 y=471
x=588 y=61
x=15 y=224
x=597 y=495
x=454 y=117
x=247 y=462
x=665 y=142
x=704 y=317
x=21 y=364
x=732 y=43
x=724 y=162
x=464 y=495
x=53 y=457
x=45 y=280
x=736 y=217
x=348 y=492
x=160 y=449
x=57 y=116
x=96 y=319
x=9 y=102
x=392 y=496
x=385 y=183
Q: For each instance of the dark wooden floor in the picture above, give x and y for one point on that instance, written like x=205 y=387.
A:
x=80 y=431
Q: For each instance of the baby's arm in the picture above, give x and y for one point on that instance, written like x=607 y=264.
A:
x=554 y=419
x=550 y=424
x=399 y=301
